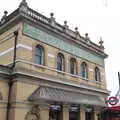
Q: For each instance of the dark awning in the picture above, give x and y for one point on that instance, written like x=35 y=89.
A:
x=60 y=95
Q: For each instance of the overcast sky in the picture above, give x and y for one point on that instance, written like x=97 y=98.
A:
x=99 y=18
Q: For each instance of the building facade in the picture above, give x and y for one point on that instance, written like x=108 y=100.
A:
x=47 y=71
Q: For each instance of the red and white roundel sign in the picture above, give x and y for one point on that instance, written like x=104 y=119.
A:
x=113 y=100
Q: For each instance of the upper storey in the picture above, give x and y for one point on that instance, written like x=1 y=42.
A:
x=59 y=36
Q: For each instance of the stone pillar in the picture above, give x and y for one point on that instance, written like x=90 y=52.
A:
x=66 y=64
x=78 y=67
x=65 y=112
x=95 y=113
x=82 y=112
x=44 y=111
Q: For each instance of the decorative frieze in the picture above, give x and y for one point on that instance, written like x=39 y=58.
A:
x=59 y=95
x=60 y=44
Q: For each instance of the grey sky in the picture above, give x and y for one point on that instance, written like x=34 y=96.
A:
x=100 y=18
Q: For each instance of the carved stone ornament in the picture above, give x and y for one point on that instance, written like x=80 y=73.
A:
x=23 y=6
x=101 y=43
x=33 y=114
x=52 y=19
x=3 y=19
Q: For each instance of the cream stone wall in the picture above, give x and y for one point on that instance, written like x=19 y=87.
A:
x=3 y=101
x=7 y=44
x=2 y=110
x=19 y=101
x=4 y=89
x=24 y=90
x=27 y=50
x=19 y=111
x=51 y=56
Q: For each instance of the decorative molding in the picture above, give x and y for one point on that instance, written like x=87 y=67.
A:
x=51 y=55
x=18 y=46
x=33 y=114
x=91 y=70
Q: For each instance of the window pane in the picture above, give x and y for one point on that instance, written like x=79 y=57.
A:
x=84 y=71
x=97 y=74
x=60 y=62
x=38 y=55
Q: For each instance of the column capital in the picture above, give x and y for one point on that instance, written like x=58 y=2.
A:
x=97 y=108
x=44 y=106
x=65 y=107
x=82 y=106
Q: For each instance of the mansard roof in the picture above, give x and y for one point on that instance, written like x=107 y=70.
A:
x=24 y=12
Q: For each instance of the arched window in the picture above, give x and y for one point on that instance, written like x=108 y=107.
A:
x=97 y=74
x=60 y=62
x=39 y=54
x=84 y=70
x=73 y=66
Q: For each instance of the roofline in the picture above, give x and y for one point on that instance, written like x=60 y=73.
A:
x=39 y=18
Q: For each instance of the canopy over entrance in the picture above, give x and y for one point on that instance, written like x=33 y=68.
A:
x=60 y=95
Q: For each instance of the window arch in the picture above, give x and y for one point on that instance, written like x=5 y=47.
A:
x=84 y=70
x=39 y=54
x=97 y=74
x=73 y=66
x=60 y=62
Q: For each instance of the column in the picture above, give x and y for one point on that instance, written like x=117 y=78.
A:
x=67 y=64
x=44 y=111
x=65 y=112
x=95 y=113
x=82 y=112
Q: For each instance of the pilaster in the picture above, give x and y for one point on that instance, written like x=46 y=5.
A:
x=44 y=111
x=95 y=113
x=82 y=112
x=65 y=111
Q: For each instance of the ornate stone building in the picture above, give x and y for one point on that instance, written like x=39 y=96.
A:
x=47 y=71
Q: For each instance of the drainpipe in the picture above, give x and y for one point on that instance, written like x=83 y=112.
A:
x=10 y=83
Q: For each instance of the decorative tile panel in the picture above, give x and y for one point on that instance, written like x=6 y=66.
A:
x=38 y=34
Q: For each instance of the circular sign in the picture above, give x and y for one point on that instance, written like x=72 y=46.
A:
x=113 y=100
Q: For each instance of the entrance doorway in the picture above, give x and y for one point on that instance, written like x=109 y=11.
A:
x=89 y=113
x=54 y=113
x=74 y=113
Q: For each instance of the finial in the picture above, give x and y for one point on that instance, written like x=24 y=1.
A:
x=87 y=37
x=101 y=43
x=23 y=3
x=65 y=25
x=77 y=33
x=3 y=19
x=52 y=19
x=76 y=29
x=5 y=12
x=51 y=14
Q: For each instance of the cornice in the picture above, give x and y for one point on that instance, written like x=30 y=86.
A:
x=40 y=20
